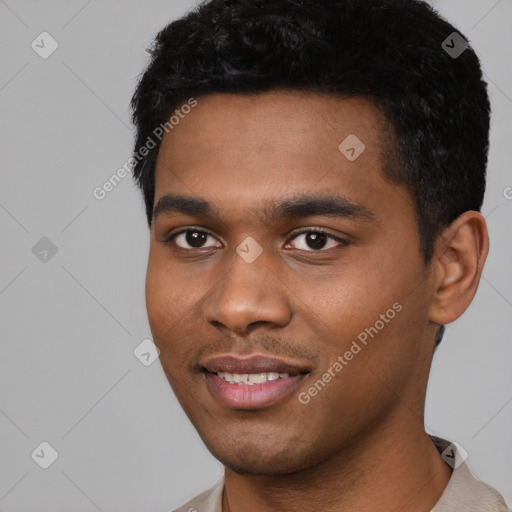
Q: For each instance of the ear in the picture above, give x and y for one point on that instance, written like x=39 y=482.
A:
x=459 y=256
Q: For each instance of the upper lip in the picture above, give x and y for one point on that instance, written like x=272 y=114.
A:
x=252 y=364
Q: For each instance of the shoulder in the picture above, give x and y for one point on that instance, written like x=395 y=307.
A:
x=464 y=491
x=208 y=501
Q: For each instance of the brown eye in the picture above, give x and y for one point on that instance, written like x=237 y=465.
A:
x=193 y=239
x=316 y=241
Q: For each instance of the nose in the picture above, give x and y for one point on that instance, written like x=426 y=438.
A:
x=249 y=294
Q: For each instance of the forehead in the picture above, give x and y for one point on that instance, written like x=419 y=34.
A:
x=242 y=149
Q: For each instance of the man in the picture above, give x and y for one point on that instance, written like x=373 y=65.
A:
x=313 y=173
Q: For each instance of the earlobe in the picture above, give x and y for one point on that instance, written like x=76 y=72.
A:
x=459 y=257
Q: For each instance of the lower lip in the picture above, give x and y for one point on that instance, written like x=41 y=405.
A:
x=257 y=396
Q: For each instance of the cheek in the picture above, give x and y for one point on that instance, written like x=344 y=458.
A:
x=369 y=317
x=172 y=299
x=346 y=301
x=159 y=294
x=166 y=302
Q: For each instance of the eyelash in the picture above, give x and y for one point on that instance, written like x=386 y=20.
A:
x=343 y=242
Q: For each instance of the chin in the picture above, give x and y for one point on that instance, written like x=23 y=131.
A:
x=262 y=466
x=252 y=458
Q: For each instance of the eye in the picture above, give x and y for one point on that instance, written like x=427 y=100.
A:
x=316 y=240
x=193 y=239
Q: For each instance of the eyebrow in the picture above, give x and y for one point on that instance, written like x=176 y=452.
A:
x=292 y=208
x=183 y=204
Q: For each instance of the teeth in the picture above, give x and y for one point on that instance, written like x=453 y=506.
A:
x=258 y=378
x=240 y=378
x=251 y=378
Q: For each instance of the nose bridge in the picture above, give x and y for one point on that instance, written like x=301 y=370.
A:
x=248 y=293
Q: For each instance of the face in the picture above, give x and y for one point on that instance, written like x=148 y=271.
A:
x=285 y=287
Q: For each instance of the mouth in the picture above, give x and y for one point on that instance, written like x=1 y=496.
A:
x=250 y=379
x=251 y=383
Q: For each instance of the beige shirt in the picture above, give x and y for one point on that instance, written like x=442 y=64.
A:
x=464 y=493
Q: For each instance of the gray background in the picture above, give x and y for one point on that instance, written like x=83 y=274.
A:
x=68 y=375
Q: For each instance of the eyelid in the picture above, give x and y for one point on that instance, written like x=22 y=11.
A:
x=168 y=239
x=340 y=240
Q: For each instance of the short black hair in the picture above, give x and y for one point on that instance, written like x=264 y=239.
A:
x=400 y=53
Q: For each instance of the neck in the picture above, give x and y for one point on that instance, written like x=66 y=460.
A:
x=390 y=468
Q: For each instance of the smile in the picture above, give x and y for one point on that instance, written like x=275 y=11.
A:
x=254 y=382
x=251 y=379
